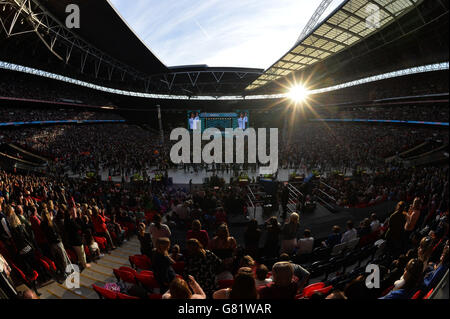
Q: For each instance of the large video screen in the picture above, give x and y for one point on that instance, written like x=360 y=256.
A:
x=204 y=120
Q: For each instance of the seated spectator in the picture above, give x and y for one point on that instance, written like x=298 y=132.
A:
x=408 y=284
x=261 y=276
x=374 y=223
x=438 y=271
x=364 y=228
x=179 y=289
x=305 y=245
x=350 y=234
x=333 y=239
x=243 y=287
x=425 y=250
x=162 y=263
x=283 y=286
x=301 y=273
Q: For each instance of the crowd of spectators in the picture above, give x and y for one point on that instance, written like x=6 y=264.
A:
x=334 y=146
x=42 y=114
x=433 y=113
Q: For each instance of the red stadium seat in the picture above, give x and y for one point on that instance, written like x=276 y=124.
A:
x=125 y=276
x=140 y=262
x=104 y=293
x=311 y=288
x=417 y=295
x=428 y=295
x=325 y=291
x=148 y=281
x=29 y=281
x=125 y=268
x=101 y=241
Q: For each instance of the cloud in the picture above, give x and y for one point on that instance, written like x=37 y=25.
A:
x=247 y=33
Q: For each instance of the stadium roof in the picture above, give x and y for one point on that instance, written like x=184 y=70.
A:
x=104 y=28
x=349 y=24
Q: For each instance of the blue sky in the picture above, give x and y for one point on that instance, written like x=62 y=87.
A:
x=239 y=33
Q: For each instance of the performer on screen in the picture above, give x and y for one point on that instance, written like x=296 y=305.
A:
x=243 y=121
x=194 y=121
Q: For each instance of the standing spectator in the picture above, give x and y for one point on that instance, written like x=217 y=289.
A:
x=412 y=216
x=395 y=230
x=101 y=229
x=203 y=265
x=54 y=239
x=158 y=230
x=162 y=263
x=145 y=240
x=251 y=238
x=271 y=246
x=198 y=233
x=74 y=233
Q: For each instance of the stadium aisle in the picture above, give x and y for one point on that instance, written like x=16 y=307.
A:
x=100 y=273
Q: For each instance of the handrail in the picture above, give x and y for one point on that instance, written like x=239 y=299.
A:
x=332 y=188
x=330 y=197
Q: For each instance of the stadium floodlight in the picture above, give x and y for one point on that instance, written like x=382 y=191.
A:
x=298 y=93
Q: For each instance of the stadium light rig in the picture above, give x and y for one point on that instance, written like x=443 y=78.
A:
x=298 y=93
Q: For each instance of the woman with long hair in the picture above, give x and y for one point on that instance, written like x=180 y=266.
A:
x=224 y=245
x=182 y=290
x=54 y=239
x=409 y=282
x=202 y=264
x=289 y=234
x=23 y=243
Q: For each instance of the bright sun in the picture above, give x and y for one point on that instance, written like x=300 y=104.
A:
x=298 y=93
